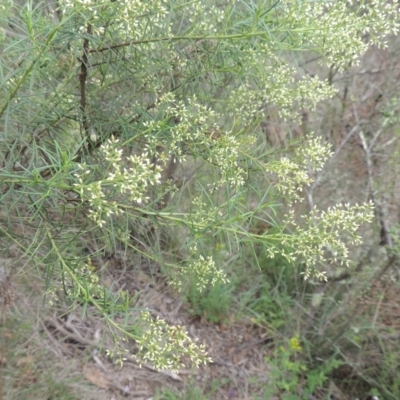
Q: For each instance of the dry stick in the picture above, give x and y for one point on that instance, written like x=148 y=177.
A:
x=82 y=80
x=381 y=207
x=368 y=158
x=76 y=336
x=6 y=78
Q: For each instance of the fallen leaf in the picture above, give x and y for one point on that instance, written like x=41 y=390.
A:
x=25 y=360
x=95 y=376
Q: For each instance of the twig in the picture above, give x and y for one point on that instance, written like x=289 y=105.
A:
x=82 y=80
x=368 y=159
x=77 y=338
x=381 y=206
x=179 y=38
x=386 y=237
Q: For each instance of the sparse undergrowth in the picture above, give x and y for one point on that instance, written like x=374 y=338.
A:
x=31 y=372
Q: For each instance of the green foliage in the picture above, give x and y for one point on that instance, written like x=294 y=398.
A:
x=275 y=287
x=213 y=304
x=101 y=101
x=192 y=392
x=267 y=304
x=294 y=377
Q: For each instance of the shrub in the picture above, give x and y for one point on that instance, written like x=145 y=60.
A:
x=102 y=101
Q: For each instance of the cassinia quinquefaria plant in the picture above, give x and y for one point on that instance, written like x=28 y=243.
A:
x=101 y=101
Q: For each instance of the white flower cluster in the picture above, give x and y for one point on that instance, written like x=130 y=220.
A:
x=192 y=122
x=225 y=155
x=193 y=133
x=135 y=19
x=164 y=346
x=321 y=231
x=327 y=230
x=204 y=271
x=293 y=175
x=85 y=283
x=202 y=217
x=273 y=83
x=124 y=179
x=314 y=153
x=79 y=282
x=337 y=26
x=128 y=16
x=204 y=18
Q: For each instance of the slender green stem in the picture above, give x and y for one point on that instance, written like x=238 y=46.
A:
x=190 y=37
x=29 y=69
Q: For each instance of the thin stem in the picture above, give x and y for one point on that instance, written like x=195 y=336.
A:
x=194 y=37
x=82 y=81
x=28 y=70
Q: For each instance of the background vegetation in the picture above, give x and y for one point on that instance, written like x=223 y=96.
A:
x=176 y=170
